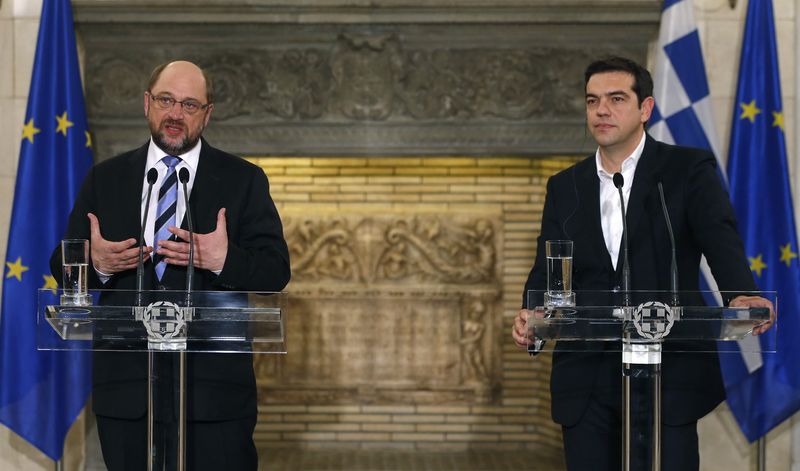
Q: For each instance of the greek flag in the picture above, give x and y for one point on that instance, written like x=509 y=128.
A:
x=682 y=114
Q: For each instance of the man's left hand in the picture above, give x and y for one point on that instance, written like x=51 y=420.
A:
x=756 y=301
x=210 y=249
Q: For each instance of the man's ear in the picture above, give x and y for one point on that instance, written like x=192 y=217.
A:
x=647 y=108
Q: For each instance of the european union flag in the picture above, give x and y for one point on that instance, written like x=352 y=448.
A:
x=761 y=397
x=42 y=392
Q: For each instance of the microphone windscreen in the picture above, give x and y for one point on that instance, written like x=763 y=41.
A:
x=618 y=180
x=152 y=176
x=183 y=175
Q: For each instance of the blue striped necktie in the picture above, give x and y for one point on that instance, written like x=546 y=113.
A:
x=167 y=203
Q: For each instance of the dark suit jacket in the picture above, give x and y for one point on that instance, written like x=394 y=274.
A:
x=221 y=386
x=703 y=223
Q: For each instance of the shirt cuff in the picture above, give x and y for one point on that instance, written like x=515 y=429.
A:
x=103 y=277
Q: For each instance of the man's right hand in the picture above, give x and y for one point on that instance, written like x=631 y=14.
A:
x=113 y=257
x=520 y=329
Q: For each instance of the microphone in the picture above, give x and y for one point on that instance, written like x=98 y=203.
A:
x=673 y=269
x=183 y=176
x=619 y=181
x=152 y=176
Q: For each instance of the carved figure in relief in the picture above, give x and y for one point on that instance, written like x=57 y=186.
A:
x=472 y=329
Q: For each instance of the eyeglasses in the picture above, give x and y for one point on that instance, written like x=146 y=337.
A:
x=164 y=102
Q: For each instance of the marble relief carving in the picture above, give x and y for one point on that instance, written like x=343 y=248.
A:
x=363 y=78
x=369 y=78
x=401 y=308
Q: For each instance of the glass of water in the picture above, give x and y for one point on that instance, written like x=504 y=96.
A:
x=559 y=274
x=75 y=264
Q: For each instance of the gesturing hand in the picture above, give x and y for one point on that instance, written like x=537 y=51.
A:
x=112 y=257
x=210 y=249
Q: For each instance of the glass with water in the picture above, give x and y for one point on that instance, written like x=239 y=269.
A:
x=559 y=274
x=75 y=265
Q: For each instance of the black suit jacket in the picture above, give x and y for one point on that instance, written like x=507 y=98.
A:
x=703 y=222
x=220 y=386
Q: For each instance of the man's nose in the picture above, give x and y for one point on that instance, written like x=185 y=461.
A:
x=176 y=112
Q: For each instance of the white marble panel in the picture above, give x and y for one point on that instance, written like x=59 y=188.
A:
x=722 y=60
x=11 y=134
x=26 y=8
x=723 y=113
x=25 y=32
x=6 y=201
x=6 y=57
x=785 y=34
x=784 y=9
x=724 y=448
x=719 y=9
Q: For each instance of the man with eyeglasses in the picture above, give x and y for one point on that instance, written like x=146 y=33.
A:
x=239 y=246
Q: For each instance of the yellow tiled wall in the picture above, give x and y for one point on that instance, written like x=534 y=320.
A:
x=513 y=187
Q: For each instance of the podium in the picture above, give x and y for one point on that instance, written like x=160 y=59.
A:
x=164 y=323
x=643 y=326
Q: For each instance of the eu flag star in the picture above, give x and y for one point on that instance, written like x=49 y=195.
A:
x=749 y=111
x=63 y=124
x=88 y=139
x=777 y=119
x=757 y=264
x=50 y=283
x=787 y=255
x=16 y=269
x=29 y=130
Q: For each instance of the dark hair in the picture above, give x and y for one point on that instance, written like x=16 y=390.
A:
x=160 y=68
x=642 y=81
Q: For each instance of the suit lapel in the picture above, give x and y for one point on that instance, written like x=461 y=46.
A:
x=643 y=183
x=589 y=194
x=131 y=192
x=201 y=199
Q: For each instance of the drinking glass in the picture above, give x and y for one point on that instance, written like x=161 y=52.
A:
x=559 y=274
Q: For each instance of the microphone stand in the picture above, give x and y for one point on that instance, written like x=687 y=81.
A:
x=183 y=176
x=673 y=279
x=626 y=268
x=152 y=176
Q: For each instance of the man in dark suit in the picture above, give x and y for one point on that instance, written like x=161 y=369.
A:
x=239 y=246
x=582 y=204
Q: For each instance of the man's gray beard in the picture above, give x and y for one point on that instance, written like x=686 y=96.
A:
x=182 y=148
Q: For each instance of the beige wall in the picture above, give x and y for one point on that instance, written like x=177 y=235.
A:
x=720 y=28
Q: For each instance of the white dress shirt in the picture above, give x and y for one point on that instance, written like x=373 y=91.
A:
x=610 y=209
x=189 y=161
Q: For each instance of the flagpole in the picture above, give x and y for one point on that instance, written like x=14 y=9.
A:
x=761 y=454
x=59 y=466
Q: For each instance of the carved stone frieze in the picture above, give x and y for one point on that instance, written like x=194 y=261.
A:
x=429 y=250
x=389 y=308
x=408 y=249
x=377 y=89
x=369 y=78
